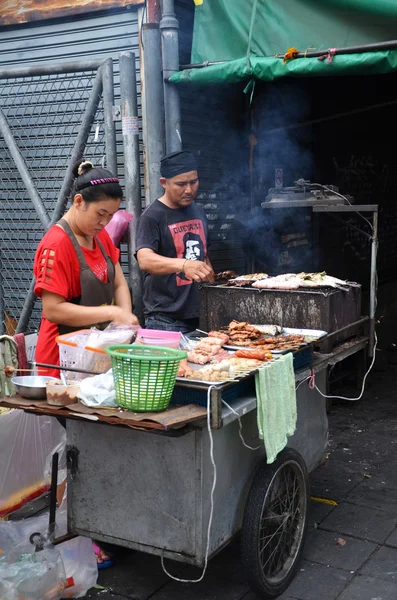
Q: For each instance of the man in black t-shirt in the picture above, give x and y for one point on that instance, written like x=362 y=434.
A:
x=171 y=248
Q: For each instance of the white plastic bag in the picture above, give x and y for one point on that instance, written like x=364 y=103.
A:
x=29 y=575
x=80 y=565
x=98 y=390
x=115 y=333
x=27 y=443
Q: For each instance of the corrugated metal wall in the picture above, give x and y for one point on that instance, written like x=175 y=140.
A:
x=213 y=128
x=46 y=153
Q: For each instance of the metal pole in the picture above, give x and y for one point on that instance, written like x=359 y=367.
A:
x=108 y=102
x=170 y=47
x=130 y=127
x=373 y=284
x=23 y=171
x=52 y=69
x=78 y=148
x=153 y=94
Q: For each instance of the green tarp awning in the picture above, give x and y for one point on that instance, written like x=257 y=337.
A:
x=232 y=30
x=270 y=69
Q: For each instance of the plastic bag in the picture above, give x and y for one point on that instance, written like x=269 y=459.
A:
x=98 y=390
x=80 y=565
x=29 y=575
x=118 y=225
x=115 y=333
x=27 y=442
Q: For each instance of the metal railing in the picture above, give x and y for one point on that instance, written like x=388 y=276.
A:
x=49 y=117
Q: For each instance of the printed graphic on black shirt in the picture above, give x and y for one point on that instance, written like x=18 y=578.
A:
x=190 y=243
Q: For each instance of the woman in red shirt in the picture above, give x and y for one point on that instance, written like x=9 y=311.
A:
x=77 y=269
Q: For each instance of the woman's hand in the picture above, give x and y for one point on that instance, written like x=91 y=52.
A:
x=198 y=270
x=121 y=315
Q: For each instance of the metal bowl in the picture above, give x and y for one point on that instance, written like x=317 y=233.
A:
x=32 y=386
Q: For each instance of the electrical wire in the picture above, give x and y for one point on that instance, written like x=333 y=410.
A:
x=240 y=425
x=207 y=549
x=325 y=187
x=240 y=432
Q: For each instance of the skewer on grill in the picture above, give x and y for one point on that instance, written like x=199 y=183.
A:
x=10 y=371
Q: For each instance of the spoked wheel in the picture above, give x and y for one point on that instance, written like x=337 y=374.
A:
x=275 y=522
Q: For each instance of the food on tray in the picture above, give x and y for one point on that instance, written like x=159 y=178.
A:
x=245 y=364
x=293 y=281
x=282 y=342
x=221 y=371
x=224 y=275
x=221 y=355
x=203 y=352
x=210 y=341
x=183 y=367
x=220 y=335
x=249 y=279
x=242 y=333
x=255 y=354
x=270 y=329
x=198 y=358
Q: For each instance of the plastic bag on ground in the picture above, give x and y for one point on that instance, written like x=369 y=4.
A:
x=98 y=390
x=29 y=575
x=80 y=565
x=27 y=443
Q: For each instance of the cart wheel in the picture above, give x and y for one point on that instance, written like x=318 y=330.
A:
x=275 y=522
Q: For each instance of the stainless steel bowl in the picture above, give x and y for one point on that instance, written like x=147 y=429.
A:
x=32 y=387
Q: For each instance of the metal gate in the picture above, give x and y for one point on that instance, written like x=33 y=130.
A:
x=50 y=116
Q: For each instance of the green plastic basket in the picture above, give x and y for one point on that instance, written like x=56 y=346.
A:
x=144 y=376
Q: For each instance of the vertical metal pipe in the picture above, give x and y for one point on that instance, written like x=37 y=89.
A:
x=170 y=48
x=130 y=128
x=53 y=495
x=109 y=124
x=153 y=99
x=373 y=284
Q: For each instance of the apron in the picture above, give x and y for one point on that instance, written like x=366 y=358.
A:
x=94 y=292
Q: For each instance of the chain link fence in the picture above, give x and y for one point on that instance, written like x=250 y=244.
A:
x=44 y=115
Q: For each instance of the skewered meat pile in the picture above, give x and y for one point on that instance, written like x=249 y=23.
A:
x=224 y=370
x=242 y=333
x=206 y=349
x=221 y=335
x=282 y=342
x=225 y=275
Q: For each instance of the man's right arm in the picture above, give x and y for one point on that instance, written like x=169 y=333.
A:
x=155 y=264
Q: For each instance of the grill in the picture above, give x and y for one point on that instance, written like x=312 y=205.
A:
x=328 y=309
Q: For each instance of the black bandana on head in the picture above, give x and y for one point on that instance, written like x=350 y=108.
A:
x=177 y=163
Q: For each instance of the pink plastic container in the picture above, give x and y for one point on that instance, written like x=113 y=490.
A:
x=156 y=337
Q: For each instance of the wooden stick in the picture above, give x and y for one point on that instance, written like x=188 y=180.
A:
x=15 y=369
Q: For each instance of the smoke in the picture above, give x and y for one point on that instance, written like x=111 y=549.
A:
x=278 y=240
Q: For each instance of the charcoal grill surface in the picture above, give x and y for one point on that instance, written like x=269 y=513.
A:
x=328 y=309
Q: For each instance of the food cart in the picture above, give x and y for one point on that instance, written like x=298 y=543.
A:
x=181 y=483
